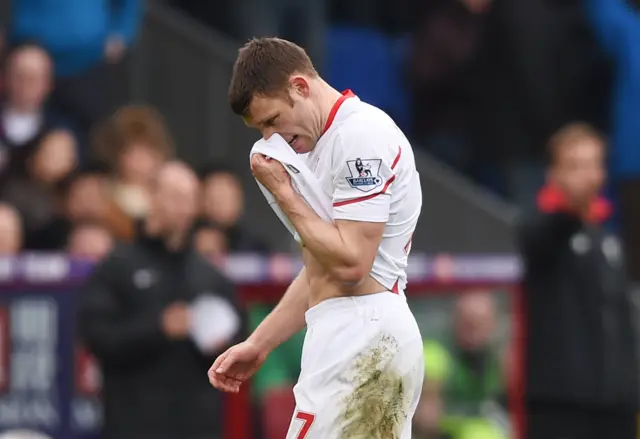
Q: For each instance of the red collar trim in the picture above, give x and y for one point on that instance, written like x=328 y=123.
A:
x=334 y=110
x=551 y=200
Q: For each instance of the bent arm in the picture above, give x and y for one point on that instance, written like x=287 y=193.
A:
x=345 y=249
x=112 y=334
x=287 y=318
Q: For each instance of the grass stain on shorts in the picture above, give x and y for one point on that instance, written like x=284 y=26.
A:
x=377 y=408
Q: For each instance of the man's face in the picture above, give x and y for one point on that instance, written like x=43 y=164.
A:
x=210 y=242
x=86 y=199
x=55 y=157
x=580 y=170
x=291 y=115
x=90 y=243
x=138 y=163
x=28 y=79
x=223 y=199
x=475 y=322
x=176 y=204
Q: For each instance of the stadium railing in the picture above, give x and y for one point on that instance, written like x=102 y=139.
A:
x=49 y=383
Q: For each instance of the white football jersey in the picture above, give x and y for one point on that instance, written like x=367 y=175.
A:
x=366 y=165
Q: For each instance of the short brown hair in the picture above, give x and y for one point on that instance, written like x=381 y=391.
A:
x=132 y=124
x=571 y=134
x=263 y=67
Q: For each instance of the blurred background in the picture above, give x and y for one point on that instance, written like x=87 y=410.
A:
x=97 y=95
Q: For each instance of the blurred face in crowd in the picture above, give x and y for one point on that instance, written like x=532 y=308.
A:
x=579 y=168
x=55 y=157
x=90 y=242
x=210 y=241
x=87 y=198
x=175 y=198
x=138 y=164
x=293 y=114
x=477 y=6
x=10 y=230
x=223 y=199
x=475 y=320
x=29 y=72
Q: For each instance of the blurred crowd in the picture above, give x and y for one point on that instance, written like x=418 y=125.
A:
x=60 y=193
x=76 y=161
x=481 y=84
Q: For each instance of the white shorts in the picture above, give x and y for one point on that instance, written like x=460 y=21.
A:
x=362 y=370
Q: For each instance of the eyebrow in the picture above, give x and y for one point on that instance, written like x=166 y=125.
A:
x=267 y=119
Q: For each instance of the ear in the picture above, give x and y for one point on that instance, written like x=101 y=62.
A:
x=300 y=86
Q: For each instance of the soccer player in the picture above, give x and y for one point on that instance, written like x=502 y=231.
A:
x=362 y=360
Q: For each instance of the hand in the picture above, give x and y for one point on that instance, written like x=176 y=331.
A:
x=270 y=173
x=176 y=320
x=236 y=365
x=114 y=49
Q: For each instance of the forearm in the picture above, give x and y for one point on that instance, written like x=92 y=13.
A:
x=322 y=239
x=287 y=318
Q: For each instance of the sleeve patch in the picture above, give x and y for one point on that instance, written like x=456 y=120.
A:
x=364 y=174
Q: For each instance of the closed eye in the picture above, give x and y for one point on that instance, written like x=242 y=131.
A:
x=271 y=122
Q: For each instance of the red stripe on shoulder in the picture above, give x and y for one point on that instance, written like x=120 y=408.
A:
x=397 y=159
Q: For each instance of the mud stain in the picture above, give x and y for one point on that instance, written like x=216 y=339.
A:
x=377 y=408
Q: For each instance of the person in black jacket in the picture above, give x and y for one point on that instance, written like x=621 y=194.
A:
x=581 y=376
x=137 y=316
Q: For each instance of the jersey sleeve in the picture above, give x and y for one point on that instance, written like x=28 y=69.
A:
x=364 y=176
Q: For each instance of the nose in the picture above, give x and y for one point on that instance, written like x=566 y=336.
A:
x=267 y=133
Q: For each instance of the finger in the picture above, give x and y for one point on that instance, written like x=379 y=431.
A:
x=216 y=364
x=245 y=375
x=229 y=385
x=225 y=384
x=226 y=363
x=231 y=382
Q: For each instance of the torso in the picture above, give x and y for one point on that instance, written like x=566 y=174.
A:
x=328 y=160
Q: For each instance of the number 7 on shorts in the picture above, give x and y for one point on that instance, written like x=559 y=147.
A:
x=307 y=419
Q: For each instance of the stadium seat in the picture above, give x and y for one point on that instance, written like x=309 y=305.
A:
x=369 y=63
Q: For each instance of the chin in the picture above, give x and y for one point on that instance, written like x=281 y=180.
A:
x=305 y=146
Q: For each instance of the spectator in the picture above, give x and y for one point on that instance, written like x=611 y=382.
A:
x=87 y=198
x=464 y=386
x=153 y=347
x=446 y=42
x=581 y=347
x=25 y=120
x=11 y=234
x=211 y=242
x=537 y=70
x=87 y=40
x=135 y=143
x=223 y=205
x=617 y=25
x=36 y=195
x=90 y=241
